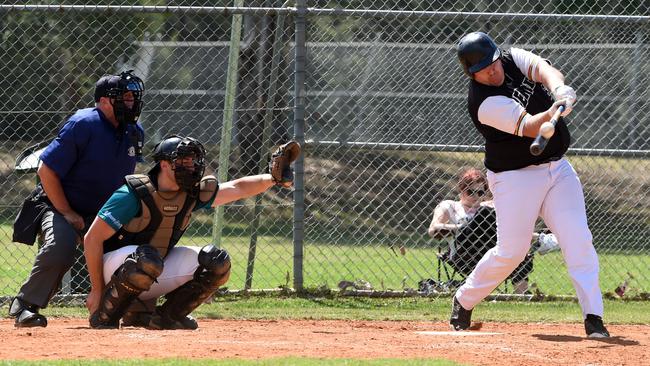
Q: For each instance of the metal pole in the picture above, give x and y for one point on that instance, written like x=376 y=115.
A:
x=634 y=96
x=266 y=134
x=228 y=114
x=299 y=135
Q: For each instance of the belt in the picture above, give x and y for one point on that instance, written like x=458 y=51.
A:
x=549 y=160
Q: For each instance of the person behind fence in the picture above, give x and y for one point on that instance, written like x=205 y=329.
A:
x=511 y=93
x=80 y=169
x=468 y=225
x=131 y=248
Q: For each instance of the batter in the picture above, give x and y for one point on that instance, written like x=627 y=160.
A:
x=508 y=101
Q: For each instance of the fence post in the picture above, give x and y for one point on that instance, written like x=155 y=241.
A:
x=299 y=135
x=266 y=134
x=228 y=113
x=635 y=96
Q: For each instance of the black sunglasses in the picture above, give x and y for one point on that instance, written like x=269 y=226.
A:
x=471 y=192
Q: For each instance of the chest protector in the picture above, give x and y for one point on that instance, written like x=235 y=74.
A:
x=165 y=215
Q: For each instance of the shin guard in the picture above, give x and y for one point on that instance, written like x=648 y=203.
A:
x=136 y=275
x=213 y=271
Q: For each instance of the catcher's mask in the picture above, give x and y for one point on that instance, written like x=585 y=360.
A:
x=477 y=51
x=176 y=149
x=117 y=87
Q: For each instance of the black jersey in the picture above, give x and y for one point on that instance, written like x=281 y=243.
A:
x=506 y=151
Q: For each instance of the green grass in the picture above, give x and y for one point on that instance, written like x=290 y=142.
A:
x=325 y=265
x=235 y=362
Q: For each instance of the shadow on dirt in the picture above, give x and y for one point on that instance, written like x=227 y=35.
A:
x=565 y=338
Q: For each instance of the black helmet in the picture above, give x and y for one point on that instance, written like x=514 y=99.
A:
x=176 y=147
x=114 y=87
x=477 y=51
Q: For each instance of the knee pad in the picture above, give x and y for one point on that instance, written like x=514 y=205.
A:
x=214 y=267
x=141 y=268
x=214 y=259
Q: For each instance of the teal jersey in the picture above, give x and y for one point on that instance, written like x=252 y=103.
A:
x=124 y=205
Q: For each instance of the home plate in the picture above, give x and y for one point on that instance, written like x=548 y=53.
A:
x=458 y=334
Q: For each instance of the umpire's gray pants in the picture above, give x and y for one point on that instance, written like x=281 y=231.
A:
x=54 y=259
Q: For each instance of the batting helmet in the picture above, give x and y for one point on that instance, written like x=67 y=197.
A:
x=477 y=51
x=176 y=147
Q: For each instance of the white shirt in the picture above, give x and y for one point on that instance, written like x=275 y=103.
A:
x=457 y=216
x=504 y=113
x=456 y=212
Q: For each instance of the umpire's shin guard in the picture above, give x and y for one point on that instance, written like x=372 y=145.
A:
x=133 y=277
x=213 y=271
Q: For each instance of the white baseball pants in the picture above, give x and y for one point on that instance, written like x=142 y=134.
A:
x=180 y=264
x=554 y=192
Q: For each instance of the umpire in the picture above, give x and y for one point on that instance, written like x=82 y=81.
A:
x=131 y=249
x=81 y=167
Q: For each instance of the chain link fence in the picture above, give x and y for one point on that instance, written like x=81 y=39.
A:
x=375 y=91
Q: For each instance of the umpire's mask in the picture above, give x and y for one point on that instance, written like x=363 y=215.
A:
x=125 y=92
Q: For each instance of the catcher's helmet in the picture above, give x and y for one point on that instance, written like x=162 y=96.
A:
x=175 y=147
x=114 y=87
x=477 y=51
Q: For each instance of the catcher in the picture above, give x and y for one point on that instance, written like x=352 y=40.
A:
x=131 y=250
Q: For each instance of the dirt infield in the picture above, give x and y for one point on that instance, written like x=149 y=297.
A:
x=522 y=344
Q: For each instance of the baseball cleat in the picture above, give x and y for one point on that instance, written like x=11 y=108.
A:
x=137 y=319
x=100 y=320
x=461 y=318
x=159 y=322
x=594 y=327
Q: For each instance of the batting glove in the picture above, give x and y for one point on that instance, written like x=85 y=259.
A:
x=568 y=95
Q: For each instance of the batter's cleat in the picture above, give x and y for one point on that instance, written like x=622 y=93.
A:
x=26 y=314
x=594 y=327
x=159 y=322
x=461 y=319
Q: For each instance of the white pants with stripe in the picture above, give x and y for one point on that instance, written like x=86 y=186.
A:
x=554 y=192
x=180 y=264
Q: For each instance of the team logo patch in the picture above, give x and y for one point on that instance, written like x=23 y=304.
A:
x=131 y=151
x=170 y=208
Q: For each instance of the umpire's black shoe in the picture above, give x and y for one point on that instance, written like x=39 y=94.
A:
x=594 y=327
x=26 y=314
x=461 y=319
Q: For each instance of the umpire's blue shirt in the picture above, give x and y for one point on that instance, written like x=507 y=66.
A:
x=91 y=159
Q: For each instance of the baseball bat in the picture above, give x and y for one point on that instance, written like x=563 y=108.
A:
x=538 y=146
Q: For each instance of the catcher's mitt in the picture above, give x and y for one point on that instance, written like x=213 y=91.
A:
x=280 y=161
